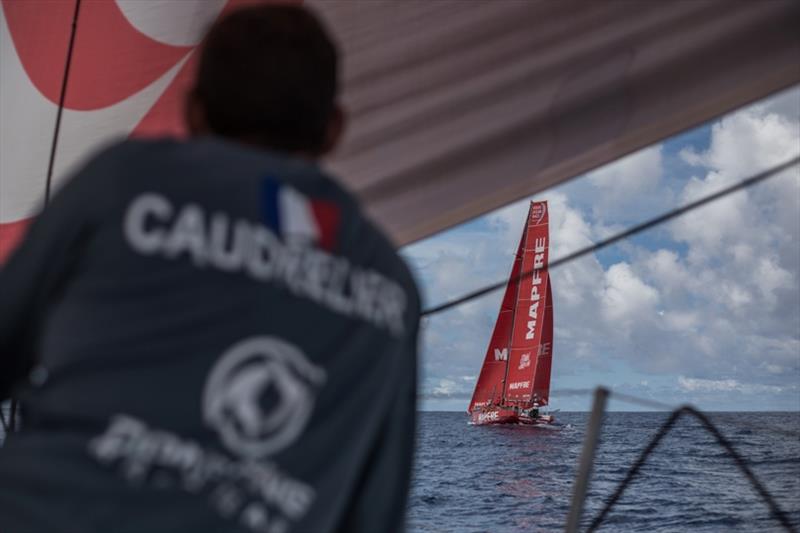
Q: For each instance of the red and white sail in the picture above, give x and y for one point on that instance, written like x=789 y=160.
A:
x=529 y=343
x=516 y=368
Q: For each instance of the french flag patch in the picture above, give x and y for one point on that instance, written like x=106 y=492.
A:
x=296 y=217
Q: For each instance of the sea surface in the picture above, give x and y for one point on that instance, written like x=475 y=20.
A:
x=519 y=479
x=503 y=479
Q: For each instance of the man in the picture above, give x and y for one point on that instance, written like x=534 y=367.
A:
x=208 y=335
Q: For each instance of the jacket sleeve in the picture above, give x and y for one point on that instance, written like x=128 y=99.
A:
x=39 y=267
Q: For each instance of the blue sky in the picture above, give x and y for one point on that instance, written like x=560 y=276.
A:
x=704 y=310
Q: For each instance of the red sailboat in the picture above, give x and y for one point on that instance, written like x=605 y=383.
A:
x=514 y=383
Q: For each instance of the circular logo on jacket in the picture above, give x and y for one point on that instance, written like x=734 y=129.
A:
x=259 y=395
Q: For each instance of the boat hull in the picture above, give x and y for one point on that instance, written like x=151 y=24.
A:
x=501 y=415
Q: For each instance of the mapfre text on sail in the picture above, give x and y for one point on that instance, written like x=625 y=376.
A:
x=539 y=247
x=154 y=226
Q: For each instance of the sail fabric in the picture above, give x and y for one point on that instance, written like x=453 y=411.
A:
x=530 y=309
x=131 y=64
x=544 y=358
x=456 y=108
x=489 y=387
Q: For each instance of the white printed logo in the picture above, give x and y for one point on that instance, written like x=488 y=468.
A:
x=488 y=417
x=501 y=355
x=259 y=395
x=524 y=361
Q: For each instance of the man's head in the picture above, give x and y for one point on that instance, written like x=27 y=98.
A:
x=268 y=76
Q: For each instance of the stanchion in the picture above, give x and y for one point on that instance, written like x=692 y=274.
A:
x=587 y=459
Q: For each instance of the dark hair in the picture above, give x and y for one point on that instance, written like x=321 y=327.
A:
x=268 y=73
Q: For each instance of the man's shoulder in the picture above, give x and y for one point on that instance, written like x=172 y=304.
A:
x=138 y=152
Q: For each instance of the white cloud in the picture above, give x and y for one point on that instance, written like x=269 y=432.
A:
x=624 y=191
x=749 y=141
x=743 y=144
x=445 y=387
x=631 y=175
x=667 y=270
x=627 y=299
x=724 y=385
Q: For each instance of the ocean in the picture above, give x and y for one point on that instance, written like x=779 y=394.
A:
x=497 y=479
x=504 y=479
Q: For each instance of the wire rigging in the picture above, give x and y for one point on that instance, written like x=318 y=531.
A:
x=776 y=512
x=61 y=99
x=749 y=182
x=665 y=407
x=10 y=425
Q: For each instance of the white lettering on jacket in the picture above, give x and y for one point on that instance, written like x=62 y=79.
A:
x=139 y=219
x=153 y=226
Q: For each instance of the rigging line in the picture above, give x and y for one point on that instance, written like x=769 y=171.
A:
x=749 y=182
x=774 y=508
x=61 y=99
x=53 y=146
x=762 y=427
x=646 y=402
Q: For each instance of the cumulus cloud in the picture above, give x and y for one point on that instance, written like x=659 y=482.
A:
x=625 y=191
x=741 y=265
x=627 y=299
x=630 y=175
x=724 y=385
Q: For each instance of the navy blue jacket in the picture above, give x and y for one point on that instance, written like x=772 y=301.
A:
x=206 y=337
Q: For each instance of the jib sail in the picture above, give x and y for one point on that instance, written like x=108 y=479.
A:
x=489 y=387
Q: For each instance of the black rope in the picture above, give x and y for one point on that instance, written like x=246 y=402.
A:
x=62 y=97
x=775 y=510
x=749 y=182
x=12 y=422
